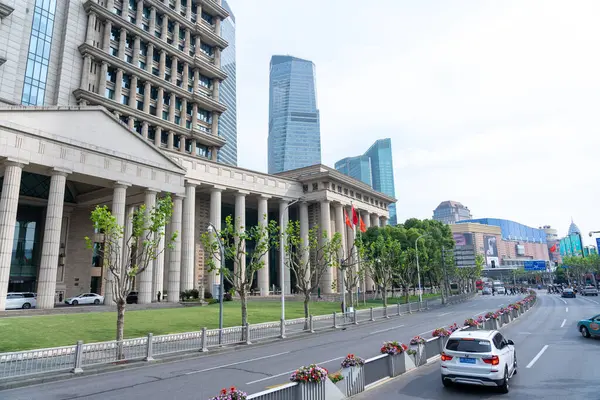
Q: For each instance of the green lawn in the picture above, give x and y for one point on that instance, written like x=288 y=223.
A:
x=21 y=333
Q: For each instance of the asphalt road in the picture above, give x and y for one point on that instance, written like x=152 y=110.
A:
x=255 y=368
x=555 y=362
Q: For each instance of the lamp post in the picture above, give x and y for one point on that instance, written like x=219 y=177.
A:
x=418 y=270
x=282 y=265
x=212 y=229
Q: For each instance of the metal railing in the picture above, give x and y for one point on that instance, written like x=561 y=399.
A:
x=74 y=358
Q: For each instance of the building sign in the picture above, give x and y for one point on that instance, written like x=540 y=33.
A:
x=491 y=251
x=535 y=265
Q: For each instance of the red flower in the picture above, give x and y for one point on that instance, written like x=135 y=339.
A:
x=223 y=391
x=232 y=389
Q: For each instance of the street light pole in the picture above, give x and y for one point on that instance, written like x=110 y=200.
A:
x=212 y=229
x=418 y=270
x=282 y=265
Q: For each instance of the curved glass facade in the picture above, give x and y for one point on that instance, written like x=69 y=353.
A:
x=382 y=169
x=513 y=230
x=356 y=167
x=294 y=126
x=228 y=120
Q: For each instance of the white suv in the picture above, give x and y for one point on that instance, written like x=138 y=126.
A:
x=483 y=358
x=24 y=300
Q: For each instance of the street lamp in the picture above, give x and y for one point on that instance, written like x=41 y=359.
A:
x=593 y=232
x=282 y=264
x=418 y=270
x=213 y=230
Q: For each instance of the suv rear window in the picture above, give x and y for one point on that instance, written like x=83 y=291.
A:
x=469 y=345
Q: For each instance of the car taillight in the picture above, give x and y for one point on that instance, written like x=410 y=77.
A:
x=446 y=357
x=493 y=361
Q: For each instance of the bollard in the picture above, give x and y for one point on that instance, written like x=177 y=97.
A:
x=398 y=308
x=247 y=327
x=311 y=325
x=372 y=316
x=355 y=320
x=427 y=304
x=149 y=348
x=78 y=356
x=204 y=347
x=385 y=315
x=334 y=322
x=409 y=310
x=282 y=328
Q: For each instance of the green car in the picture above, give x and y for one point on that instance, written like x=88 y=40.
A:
x=589 y=327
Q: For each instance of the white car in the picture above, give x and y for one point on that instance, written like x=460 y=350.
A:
x=23 y=300
x=501 y=290
x=486 y=290
x=482 y=358
x=85 y=298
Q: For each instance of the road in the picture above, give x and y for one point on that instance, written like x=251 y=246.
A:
x=254 y=368
x=555 y=362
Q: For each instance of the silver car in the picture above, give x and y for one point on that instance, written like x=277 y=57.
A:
x=589 y=291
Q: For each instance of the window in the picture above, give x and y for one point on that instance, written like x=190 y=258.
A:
x=109 y=94
x=146 y=12
x=339 y=188
x=203 y=115
x=153 y=93
x=140 y=87
x=164 y=138
x=114 y=51
x=207 y=17
x=124 y=99
x=142 y=65
x=128 y=58
x=177 y=120
x=305 y=188
x=206 y=49
x=151 y=133
x=139 y=105
x=165 y=115
x=469 y=345
x=128 y=42
x=315 y=186
x=143 y=49
x=346 y=191
x=126 y=82
x=498 y=340
x=115 y=34
x=111 y=75
x=176 y=141
x=205 y=81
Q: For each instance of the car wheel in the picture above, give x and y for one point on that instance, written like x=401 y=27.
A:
x=446 y=382
x=96 y=302
x=584 y=332
x=515 y=365
x=74 y=302
x=26 y=306
x=504 y=388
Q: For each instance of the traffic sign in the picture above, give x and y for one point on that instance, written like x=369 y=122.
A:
x=535 y=265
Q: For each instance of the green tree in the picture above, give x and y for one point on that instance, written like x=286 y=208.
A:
x=382 y=258
x=324 y=251
x=241 y=244
x=126 y=258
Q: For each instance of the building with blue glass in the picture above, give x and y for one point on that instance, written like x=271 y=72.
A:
x=294 y=125
x=511 y=230
x=376 y=168
x=228 y=120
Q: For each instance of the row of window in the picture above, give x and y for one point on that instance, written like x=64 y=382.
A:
x=346 y=191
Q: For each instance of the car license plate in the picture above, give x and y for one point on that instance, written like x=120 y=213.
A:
x=465 y=360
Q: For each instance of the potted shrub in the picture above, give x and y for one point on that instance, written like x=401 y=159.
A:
x=231 y=394
x=397 y=356
x=471 y=323
x=311 y=380
x=419 y=355
x=351 y=366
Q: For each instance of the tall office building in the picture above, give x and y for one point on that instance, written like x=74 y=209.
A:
x=294 y=128
x=228 y=120
x=156 y=65
x=376 y=168
x=450 y=212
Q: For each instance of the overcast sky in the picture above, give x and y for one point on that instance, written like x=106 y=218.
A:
x=490 y=103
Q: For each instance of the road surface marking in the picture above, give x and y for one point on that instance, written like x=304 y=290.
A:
x=288 y=373
x=563 y=324
x=593 y=301
x=563 y=300
x=446 y=313
x=388 y=329
x=236 y=363
x=537 y=357
x=422 y=333
x=567 y=309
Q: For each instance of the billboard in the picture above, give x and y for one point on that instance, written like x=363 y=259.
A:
x=598 y=245
x=464 y=252
x=463 y=239
x=490 y=246
x=576 y=245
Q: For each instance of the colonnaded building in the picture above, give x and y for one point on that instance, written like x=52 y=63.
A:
x=108 y=102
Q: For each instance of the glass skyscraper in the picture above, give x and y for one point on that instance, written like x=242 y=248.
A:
x=375 y=168
x=228 y=120
x=294 y=128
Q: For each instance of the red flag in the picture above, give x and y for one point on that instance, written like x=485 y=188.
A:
x=354 y=216
x=363 y=227
x=553 y=248
x=347 y=219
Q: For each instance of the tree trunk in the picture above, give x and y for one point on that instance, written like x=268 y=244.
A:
x=120 y=328
x=306 y=315
x=244 y=304
x=385 y=300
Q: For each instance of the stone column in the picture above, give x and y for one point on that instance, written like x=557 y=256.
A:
x=162 y=63
x=133 y=92
x=106 y=37
x=340 y=227
x=130 y=122
x=122 y=37
x=176 y=35
x=102 y=79
x=152 y=21
x=139 y=13
x=183 y=113
x=188 y=10
x=218 y=26
x=182 y=139
x=284 y=218
x=145 y=294
x=198 y=12
x=325 y=226
x=185 y=77
x=217 y=57
x=194 y=116
x=186 y=44
x=145 y=129
x=91 y=33
x=197 y=42
x=172 y=108
x=193 y=152
x=369 y=283
x=263 y=220
x=149 y=57
x=159 y=266
x=374 y=220
x=215 y=85
x=215 y=123
x=173 y=288
x=157 y=135
x=147 y=90
x=304 y=228
x=118 y=85
x=383 y=221
x=46 y=287
x=135 y=53
x=170 y=140
x=214 y=154
x=9 y=200
x=160 y=102
x=174 y=70
x=85 y=72
x=118 y=211
x=165 y=28
x=215 y=220
x=188 y=238
x=240 y=226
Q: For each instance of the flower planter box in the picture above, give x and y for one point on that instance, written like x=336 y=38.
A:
x=498 y=323
x=514 y=314
x=442 y=343
x=397 y=364
x=421 y=356
x=432 y=347
x=313 y=391
x=353 y=382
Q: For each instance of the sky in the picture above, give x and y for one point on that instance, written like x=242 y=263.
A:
x=490 y=103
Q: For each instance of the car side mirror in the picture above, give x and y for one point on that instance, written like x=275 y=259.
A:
x=510 y=342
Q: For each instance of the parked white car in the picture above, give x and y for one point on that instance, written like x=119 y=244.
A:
x=482 y=358
x=23 y=300
x=85 y=298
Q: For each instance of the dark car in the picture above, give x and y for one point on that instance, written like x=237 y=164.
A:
x=568 y=293
x=132 y=298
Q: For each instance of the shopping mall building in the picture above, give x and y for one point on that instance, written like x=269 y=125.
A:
x=122 y=107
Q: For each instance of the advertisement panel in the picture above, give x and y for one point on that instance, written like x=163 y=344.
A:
x=464 y=251
x=490 y=246
x=463 y=239
x=598 y=245
x=576 y=245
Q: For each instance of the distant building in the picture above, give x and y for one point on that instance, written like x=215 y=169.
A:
x=572 y=244
x=553 y=244
x=376 y=168
x=294 y=127
x=450 y=212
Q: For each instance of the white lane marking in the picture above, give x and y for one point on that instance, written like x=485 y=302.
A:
x=563 y=324
x=422 y=333
x=537 y=357
x=567 y=309
x=237 y=363
x=287 y=373
x=593 y=301
x=446 y=313
x=563 y=300
x=388 y=329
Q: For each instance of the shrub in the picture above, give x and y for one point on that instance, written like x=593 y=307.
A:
x=183 y=296
x=335 y=378
x=227 y=297
x=207 y=295
x=352 y=361
x=194 y=294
